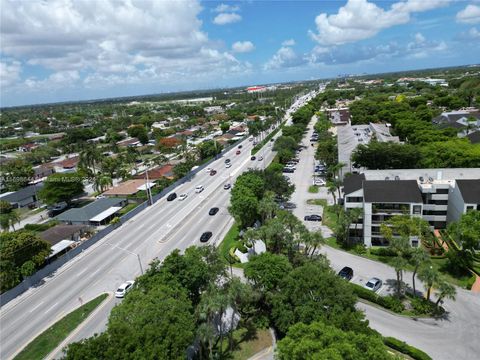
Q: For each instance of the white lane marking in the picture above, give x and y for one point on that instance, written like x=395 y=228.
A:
x=51 y=307
x=35 y=307
x=81 y=272
x=95 y=272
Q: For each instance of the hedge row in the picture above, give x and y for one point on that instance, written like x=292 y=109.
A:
x=40 y=227
x=406 y=349
x=257 y=147
x=389 y=302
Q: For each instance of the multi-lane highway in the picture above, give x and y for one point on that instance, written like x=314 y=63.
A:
x=153 y=233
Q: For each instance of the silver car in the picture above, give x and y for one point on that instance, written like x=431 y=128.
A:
x=373 y=284
x=124 y=288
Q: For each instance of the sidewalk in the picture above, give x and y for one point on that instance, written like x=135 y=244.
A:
x=476 y=285
x=37 y=218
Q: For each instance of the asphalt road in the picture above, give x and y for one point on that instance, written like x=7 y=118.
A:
x=153 y=233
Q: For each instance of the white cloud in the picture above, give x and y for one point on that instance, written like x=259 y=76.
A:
x=120 y=42
x=226 y=18
x=360 y=19
x=226 y=8
x=289 y=42
x=243 y=46
x=285 y=57
x=474 y=33
x=9 y=73
x=469 y=15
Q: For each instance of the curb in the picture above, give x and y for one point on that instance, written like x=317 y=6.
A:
x=60 y=346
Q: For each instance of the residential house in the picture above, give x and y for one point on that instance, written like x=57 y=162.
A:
x=130 y=142
x=99 y=212
x=465 y=121
x=165 y=171
x=62 y=237
x=211 y=110
x=129 y=187
x=28 y=196
x=28 y=147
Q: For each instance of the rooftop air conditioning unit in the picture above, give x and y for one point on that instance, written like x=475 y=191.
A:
x=421 y=179
x=397 y=177
x=387 y=178
x=430 y=180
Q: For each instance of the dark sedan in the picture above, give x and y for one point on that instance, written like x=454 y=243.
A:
x=205 y=236
x=313 y=218
x=213 y=211
x=346 y=273
x=172 y=197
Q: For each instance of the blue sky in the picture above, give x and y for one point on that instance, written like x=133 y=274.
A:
x=74 y=50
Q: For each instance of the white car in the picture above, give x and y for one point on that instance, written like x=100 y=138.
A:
x=124 y=288
x=319 y=182
x=208 y=169
x=228 y=165
x=199 y=189
x=182 y=197
x=227 y=186
x=373 y=284
x=260 y=158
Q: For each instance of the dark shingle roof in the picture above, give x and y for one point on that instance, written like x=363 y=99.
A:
x=470 y=190
x=392 y=191
x=22 y=194
x=60 y=232
x=89 y=211
x=352 y=183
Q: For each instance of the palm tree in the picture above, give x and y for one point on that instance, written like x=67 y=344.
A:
x=89 y=157
x=418 y=257
x=102 y=182
x=332 y=188
x=9 y=219
x=445 y=290
x=399 y=264
x=267 y=207
x=316 y=240
x=430 y=276
x=354 y=215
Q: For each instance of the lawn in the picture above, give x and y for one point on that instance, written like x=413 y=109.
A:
x=329 y=216
x=313 y=189
x=229 y=240
x=249 y=342
x=47 y=341
x=127 y=208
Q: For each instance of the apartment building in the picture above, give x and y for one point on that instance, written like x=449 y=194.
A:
x=438 y=196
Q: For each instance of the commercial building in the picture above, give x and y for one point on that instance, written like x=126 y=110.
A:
x=439 y=196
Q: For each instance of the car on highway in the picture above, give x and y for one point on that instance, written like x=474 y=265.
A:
x=172 y=197
x=238 y=152
x=228 y=165
x=227 y=161
x=239 y=146
x=227 y=186
x=253 y=158
x=260 y=158
x=206 y=236
x=213 y=172
x=312 y=217
x=213 y=211
x=124 y=288
x=272 y=140
x=373 y=284
x=182 y=197
x=346 y=273
x=208 y=169
x=199 y=189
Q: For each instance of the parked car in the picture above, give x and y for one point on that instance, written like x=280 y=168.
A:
x=253 y=158
x=199 y=189
x=172 y=197
x=287 y=206
x=182 y=197
x=57 y=209
x=213 y=172
x=346 y=273
x=319 y=182
x=205 y=236
x=313 y=218
x=238 y=152
x=213 y=211
x=373 y=284
x=288 y=170
x=227 y=186
x=124 y=288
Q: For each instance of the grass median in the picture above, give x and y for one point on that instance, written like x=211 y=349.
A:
x=47 y=341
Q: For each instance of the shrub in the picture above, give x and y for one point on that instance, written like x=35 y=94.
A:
x=422 y=306
x=40 y=227
x=393 y=303
x=388 y=302
x=406 y=349
x=242 y=248
x=471 y=281
x=360 y=249
x=382 y=251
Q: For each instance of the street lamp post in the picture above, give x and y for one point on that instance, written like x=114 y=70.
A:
x=134 y=254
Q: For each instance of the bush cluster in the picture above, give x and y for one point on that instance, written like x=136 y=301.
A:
x=404 y=348
x=389 y=302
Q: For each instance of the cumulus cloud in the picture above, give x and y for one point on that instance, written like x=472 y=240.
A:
x=226 y=8
x=469 y=15
x=116 y=41
x=360 y=19
x=289 y=42
x=285 y=57
x=9 y=73
x=226 y=18
x=243 y=46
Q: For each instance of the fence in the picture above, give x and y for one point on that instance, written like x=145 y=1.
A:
x=36 y=279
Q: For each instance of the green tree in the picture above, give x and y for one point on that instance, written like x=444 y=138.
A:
x=418 y=257
x=16 y=174
x=445 y=290
x=8 y=216
x=90 y=158
x=140 y=132
x=61 y=187
x=102 y=182
x=225 y=126
x=430 y=276
x=321 y=341
x=267 y=270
